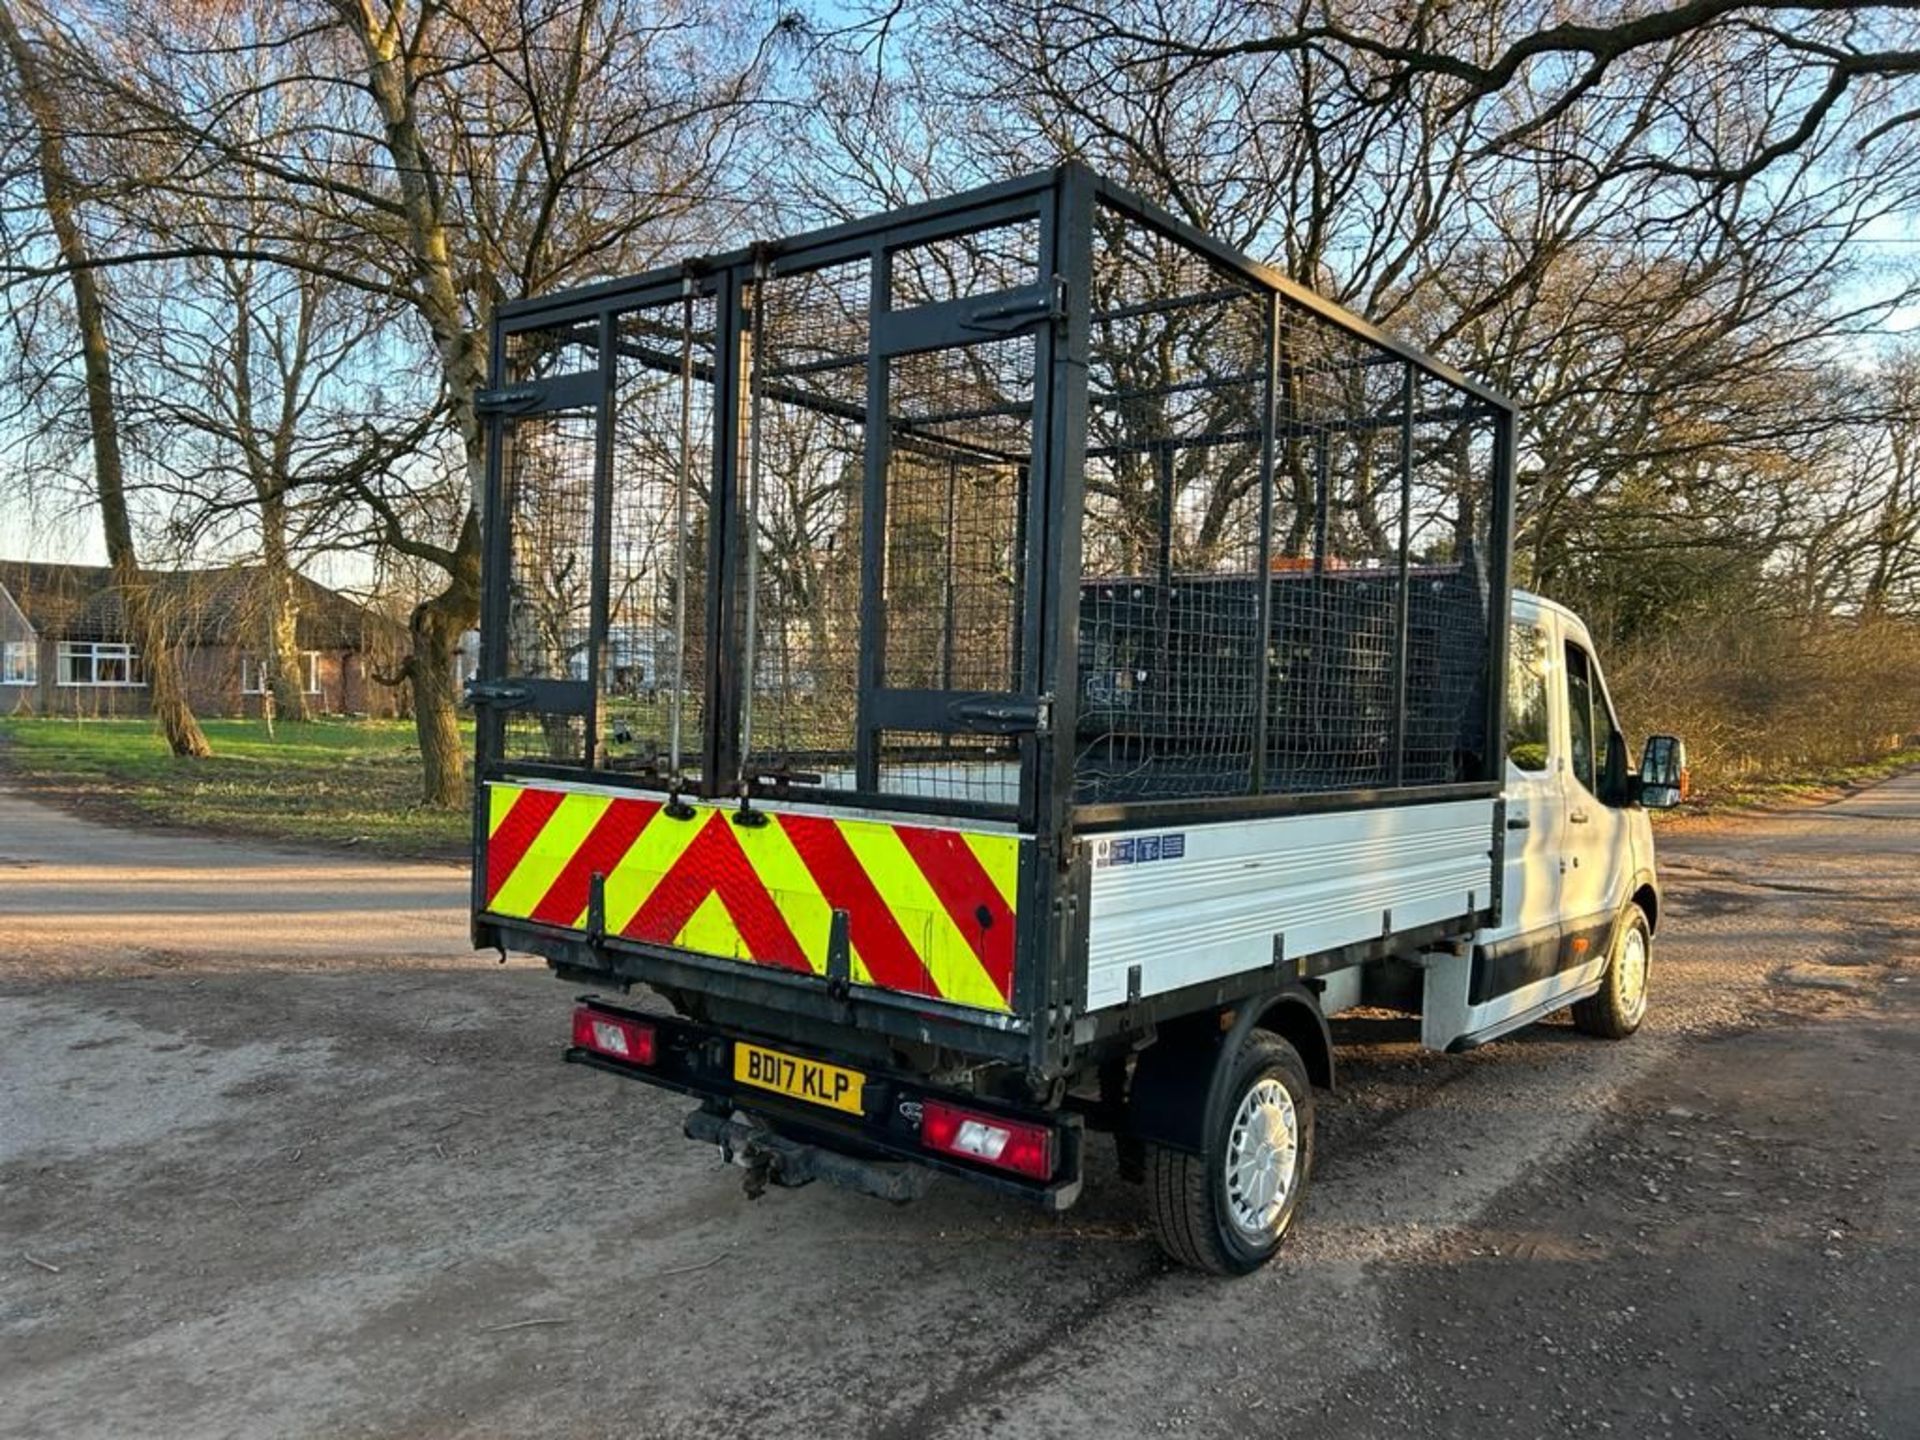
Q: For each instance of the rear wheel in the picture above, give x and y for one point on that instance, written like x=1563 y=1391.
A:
x=1227 y=1209
x=1615 y=1010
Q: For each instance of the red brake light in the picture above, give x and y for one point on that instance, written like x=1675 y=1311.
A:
x=987 y=1139
x=614 y=1036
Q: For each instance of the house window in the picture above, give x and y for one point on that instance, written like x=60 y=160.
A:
x=84 y=663
x=20 y=663
x=254 y=673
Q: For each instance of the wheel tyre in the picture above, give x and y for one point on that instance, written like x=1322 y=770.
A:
x=1615 y=1010
x=1188 y=1196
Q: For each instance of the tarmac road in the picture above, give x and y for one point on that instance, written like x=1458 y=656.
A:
x=79 y=896
x=278 y=1157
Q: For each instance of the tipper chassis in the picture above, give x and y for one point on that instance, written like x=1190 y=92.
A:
x=1006 y=667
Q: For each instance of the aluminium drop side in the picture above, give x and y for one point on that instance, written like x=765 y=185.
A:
x=964 y=640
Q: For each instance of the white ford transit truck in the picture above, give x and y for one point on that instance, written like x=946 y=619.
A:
x=1010 y=669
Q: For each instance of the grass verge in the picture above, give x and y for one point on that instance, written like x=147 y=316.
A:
x=1828 y=783
x=325 y=782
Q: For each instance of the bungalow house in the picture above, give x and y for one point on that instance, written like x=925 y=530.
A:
x=65 y=647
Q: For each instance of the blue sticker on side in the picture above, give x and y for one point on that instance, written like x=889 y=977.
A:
x=1139 y=850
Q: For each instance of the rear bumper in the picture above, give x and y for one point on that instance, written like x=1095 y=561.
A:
x=796 y=1142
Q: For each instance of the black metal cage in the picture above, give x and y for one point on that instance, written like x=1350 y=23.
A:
x=1032 y=505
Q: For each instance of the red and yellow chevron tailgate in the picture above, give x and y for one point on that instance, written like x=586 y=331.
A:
x=929 y=911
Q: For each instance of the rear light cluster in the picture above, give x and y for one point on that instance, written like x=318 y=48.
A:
x=1016 y=1145
x=614 y=1036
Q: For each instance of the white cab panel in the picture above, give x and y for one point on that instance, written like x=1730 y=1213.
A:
x=1194 y=903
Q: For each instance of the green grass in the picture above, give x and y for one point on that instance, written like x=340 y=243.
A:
x=326 y=782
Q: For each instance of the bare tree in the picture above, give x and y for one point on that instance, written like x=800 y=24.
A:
x=41 y=107
x=1858 y=552
x=1666 y=327
x=264 y=402
x=1817 y=56
x=1891 y=543
x=445 y=158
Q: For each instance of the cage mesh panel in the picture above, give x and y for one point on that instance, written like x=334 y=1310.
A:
x=1447 y=623
x=812 y=382
x=1331 y=722
x=978 y=769
x=963 y=434
x=552 y=350
x=549 y=506
x=1170 y=591
x=637 y=671
x=548 y=473
x=978 y=263
x=1169 y=602
x=958 y=461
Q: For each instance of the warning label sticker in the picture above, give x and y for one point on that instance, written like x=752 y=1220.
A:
x=1139 y=849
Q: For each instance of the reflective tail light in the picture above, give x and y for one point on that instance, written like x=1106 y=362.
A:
x=1017 y=1145
x=614 y=1036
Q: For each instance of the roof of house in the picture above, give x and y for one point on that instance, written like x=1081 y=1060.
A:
x=218 y=606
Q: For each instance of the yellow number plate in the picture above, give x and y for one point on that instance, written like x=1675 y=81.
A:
x=809 y=1080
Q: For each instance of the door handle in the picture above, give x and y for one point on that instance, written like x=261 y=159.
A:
x=1519 y=822
x=1577 y=817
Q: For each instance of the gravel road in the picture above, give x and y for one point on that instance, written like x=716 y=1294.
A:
x=279 y=1157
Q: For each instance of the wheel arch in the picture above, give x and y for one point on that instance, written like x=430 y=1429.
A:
x=1295 y=1016
x=1175 y=1077
x=1646 y=894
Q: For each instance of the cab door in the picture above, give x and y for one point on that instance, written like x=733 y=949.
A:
x=1536 y=801
x=1596 y=849
x=1513 y=967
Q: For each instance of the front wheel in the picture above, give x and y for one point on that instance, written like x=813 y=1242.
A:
x=1615 y=1010
x=1227 y=1209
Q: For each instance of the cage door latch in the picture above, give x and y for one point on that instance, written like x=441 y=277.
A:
x=1002 y=714
x=576 y=391
x=551 y=697
x=501 y=694
x=508 y=400
x=1044 y=303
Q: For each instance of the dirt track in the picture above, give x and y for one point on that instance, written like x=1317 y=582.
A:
x=275 y=1159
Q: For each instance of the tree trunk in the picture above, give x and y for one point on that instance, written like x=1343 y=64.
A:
x=437 y=624
x=145 y=620
x=288 y=676
x=166 y=689
x=286 y=670
x=436 y=627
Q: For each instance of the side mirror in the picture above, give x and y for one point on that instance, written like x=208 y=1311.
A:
x=1663 y=772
